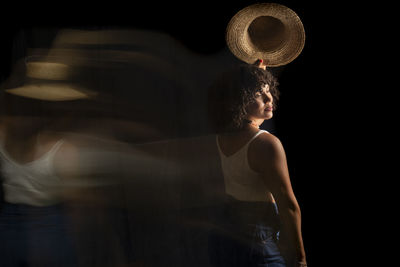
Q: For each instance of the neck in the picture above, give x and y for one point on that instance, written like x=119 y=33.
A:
x=254 y=123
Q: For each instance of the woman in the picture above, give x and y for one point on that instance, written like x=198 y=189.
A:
x=255 y=174
x=34 y=228
x=65 y=186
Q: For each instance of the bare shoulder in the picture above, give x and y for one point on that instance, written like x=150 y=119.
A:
x=266 y=149
x=66 y=160
x=267 y=144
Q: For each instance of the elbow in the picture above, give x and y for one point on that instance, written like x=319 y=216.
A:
x=287 y=203
x=292 y=207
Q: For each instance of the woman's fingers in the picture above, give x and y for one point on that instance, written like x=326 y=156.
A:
x=261 y=64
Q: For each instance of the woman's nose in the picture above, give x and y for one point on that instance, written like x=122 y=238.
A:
x=267 y=98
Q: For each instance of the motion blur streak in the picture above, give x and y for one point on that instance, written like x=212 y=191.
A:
x=120 y=119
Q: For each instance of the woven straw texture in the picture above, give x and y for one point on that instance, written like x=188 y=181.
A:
x=278 y=42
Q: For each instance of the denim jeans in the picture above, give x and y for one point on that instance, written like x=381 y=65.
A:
x=246 y=237
x=34 y=236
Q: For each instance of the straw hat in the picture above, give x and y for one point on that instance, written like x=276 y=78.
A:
x=267 y=31
x=46 y=80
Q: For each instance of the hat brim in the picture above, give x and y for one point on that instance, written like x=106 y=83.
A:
x=238 y=41
x=51 y=92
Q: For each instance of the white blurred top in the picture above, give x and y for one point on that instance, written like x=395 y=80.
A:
x=241 y=182
x=32 y=183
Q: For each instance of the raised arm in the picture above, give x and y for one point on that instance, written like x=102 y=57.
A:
x=269 y=159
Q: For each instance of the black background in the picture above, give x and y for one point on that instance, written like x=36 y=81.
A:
x=318 y=120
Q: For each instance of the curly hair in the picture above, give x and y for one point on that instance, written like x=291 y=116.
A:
x=233 y=91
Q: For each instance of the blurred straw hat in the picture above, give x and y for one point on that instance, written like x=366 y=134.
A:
x=267 y=31
x=46 y=79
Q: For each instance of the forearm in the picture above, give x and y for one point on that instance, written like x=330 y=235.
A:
x=105 y=164
x=291 y=223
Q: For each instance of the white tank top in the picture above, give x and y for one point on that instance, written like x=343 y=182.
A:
x=33 y=183
x=241 y=182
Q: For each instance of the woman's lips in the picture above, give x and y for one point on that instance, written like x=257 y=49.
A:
x=269 y=109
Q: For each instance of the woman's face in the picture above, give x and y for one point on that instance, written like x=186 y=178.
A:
x=261 y=107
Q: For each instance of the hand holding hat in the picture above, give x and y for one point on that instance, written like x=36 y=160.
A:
x=267 y=31
x=261 y=64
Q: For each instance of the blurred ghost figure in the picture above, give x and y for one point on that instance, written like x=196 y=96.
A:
x=42 y=104
x=106 y=153
x=63 y=199
x=34 y=230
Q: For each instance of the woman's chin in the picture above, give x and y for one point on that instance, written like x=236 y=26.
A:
x=268 y=116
